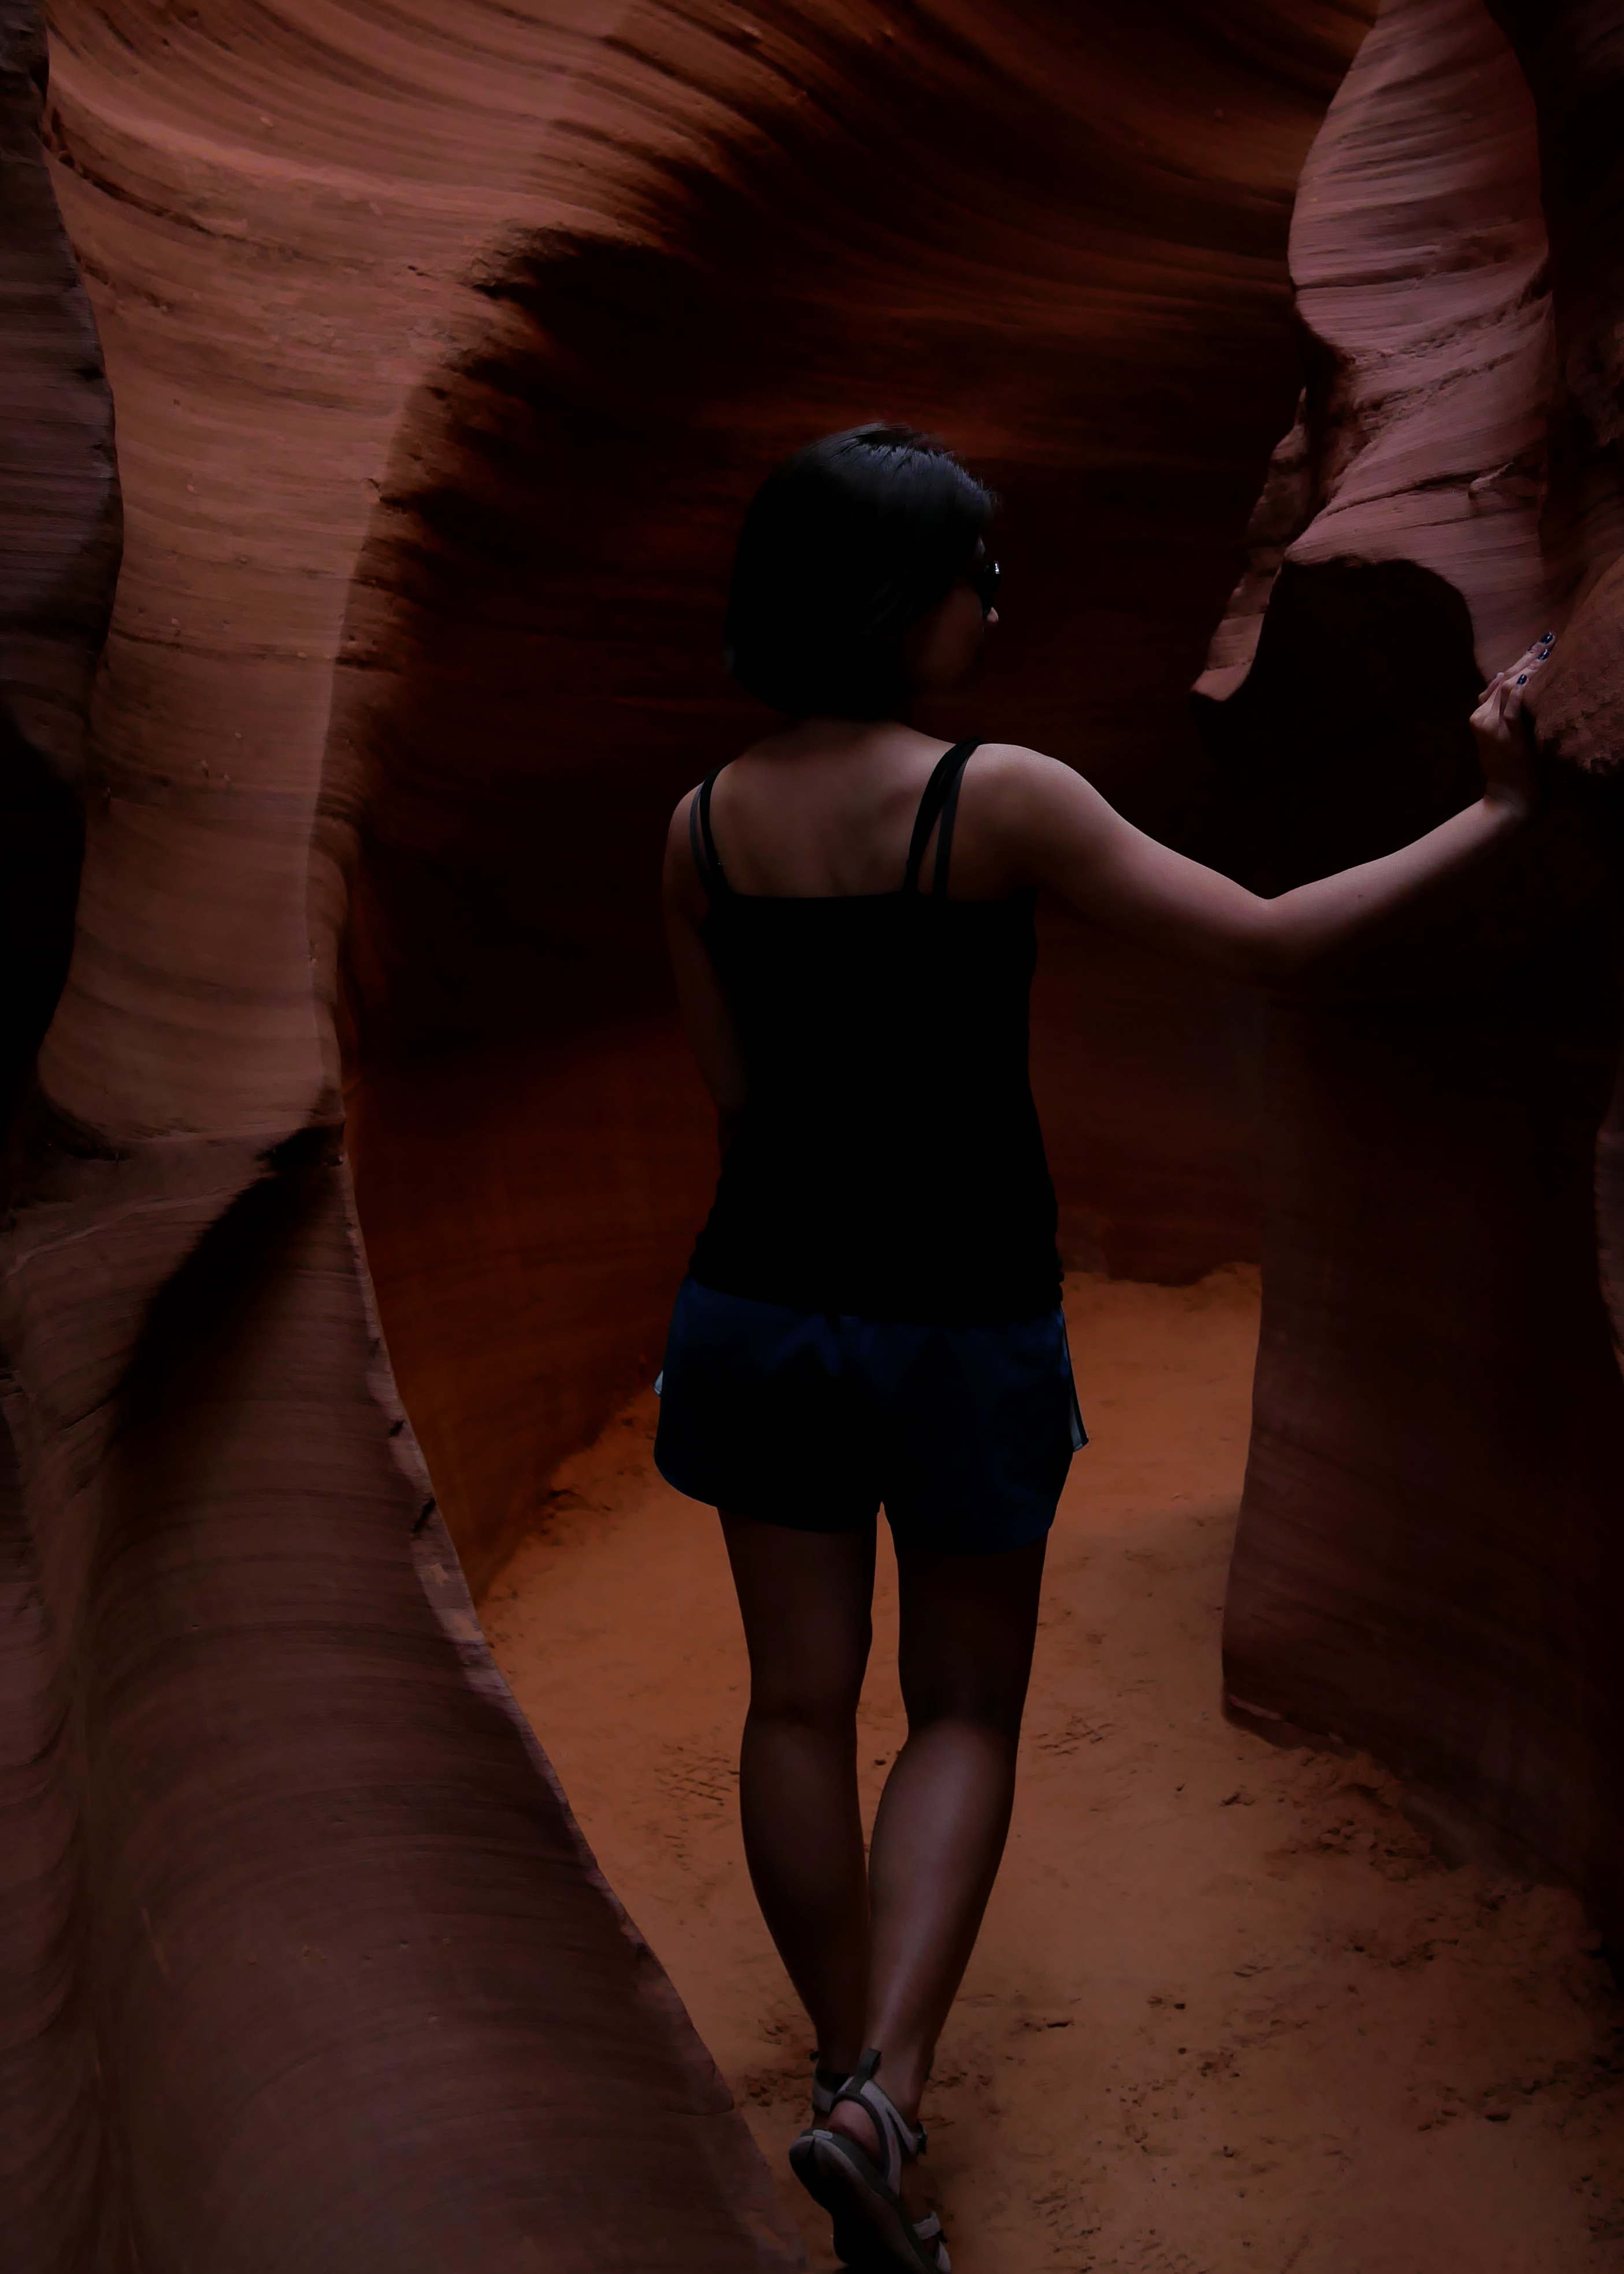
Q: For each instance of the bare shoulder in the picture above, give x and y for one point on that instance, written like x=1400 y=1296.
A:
x=682 y=882
x=1039 y=822
x=1014 y=783
x=1009 y=762
x=679 y=878
x=677 y=834
x=1014 y=763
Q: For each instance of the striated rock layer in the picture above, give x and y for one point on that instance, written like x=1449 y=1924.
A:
x=306 y=1964
x=443 y=353
x=58 y=556
x=58 y=560
x=1429 y=1561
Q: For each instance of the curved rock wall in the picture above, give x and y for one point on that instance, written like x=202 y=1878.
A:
x=445 y=353
x=58 y=557
x=313 y=1971
x=329 y=1979
x=60 y=553
x=1429 y=1554
x=1574 y=59
x=1087 y=298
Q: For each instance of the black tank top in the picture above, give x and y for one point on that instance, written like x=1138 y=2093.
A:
x=889 y=1161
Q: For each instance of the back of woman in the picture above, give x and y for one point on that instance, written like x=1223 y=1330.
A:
x=872 y=1311
x=888 y=1161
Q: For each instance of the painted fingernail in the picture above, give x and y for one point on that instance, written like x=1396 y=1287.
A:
x=1523 y=680
x=1548 y=637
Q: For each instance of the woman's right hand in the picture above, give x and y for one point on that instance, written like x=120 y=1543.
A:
x=1505 y=748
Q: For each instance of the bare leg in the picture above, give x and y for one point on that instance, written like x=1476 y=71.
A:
x=807 y=1601
x=967 y=1627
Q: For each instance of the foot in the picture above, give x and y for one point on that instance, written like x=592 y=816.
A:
x=860 y=2128
x=859 y=2165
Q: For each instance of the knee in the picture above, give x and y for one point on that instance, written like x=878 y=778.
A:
x=993 y=1713
x=822 y=1698
x=808 y=1673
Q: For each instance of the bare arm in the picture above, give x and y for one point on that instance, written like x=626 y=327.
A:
x=703 y=1008
x=1064 y=834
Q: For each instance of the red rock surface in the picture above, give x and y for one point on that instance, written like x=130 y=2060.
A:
x=57 y=559
x=443 y=353
x=1429 y=1547
x=58 y=553
x=315 y=1918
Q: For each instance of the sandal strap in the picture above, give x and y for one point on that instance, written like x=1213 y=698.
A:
x=826 y=2083
x=928 y=2235
x=903 y=2142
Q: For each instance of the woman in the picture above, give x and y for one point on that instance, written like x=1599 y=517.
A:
x=872 y=1313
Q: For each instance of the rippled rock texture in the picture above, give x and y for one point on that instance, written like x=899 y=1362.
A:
x=445 y=348
x=58 y=555
x=1430 y=1560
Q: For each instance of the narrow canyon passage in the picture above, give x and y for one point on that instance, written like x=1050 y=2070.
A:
x=388 y=384
x=1231 y=2011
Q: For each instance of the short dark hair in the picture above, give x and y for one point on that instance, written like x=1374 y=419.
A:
x=845 y=545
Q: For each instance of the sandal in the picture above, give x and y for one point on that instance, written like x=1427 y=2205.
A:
x=865 y=2201
x=826 y=2084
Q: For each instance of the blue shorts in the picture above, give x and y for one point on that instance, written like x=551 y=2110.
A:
x=811 y=1420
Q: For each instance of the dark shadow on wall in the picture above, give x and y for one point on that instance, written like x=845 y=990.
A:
x=41 y=853
x=1610 y=1204
x=1349 y=736
x=53 y=2160
x=61 y=534
x=1439 y=1420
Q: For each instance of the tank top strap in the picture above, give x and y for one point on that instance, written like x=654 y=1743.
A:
x=939 y=802
x=702 y=843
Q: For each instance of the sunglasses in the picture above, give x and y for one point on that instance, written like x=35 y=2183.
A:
x=982 y=578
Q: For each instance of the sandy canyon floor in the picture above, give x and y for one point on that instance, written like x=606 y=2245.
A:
x=1230 y=2014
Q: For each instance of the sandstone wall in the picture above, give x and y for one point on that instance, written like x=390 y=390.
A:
x=58 y=556
x=311 y=1969
x=306 y=1965
x=443 y=353
x=1429 y=1562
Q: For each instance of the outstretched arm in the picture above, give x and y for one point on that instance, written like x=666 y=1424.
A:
x=1065 y=836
